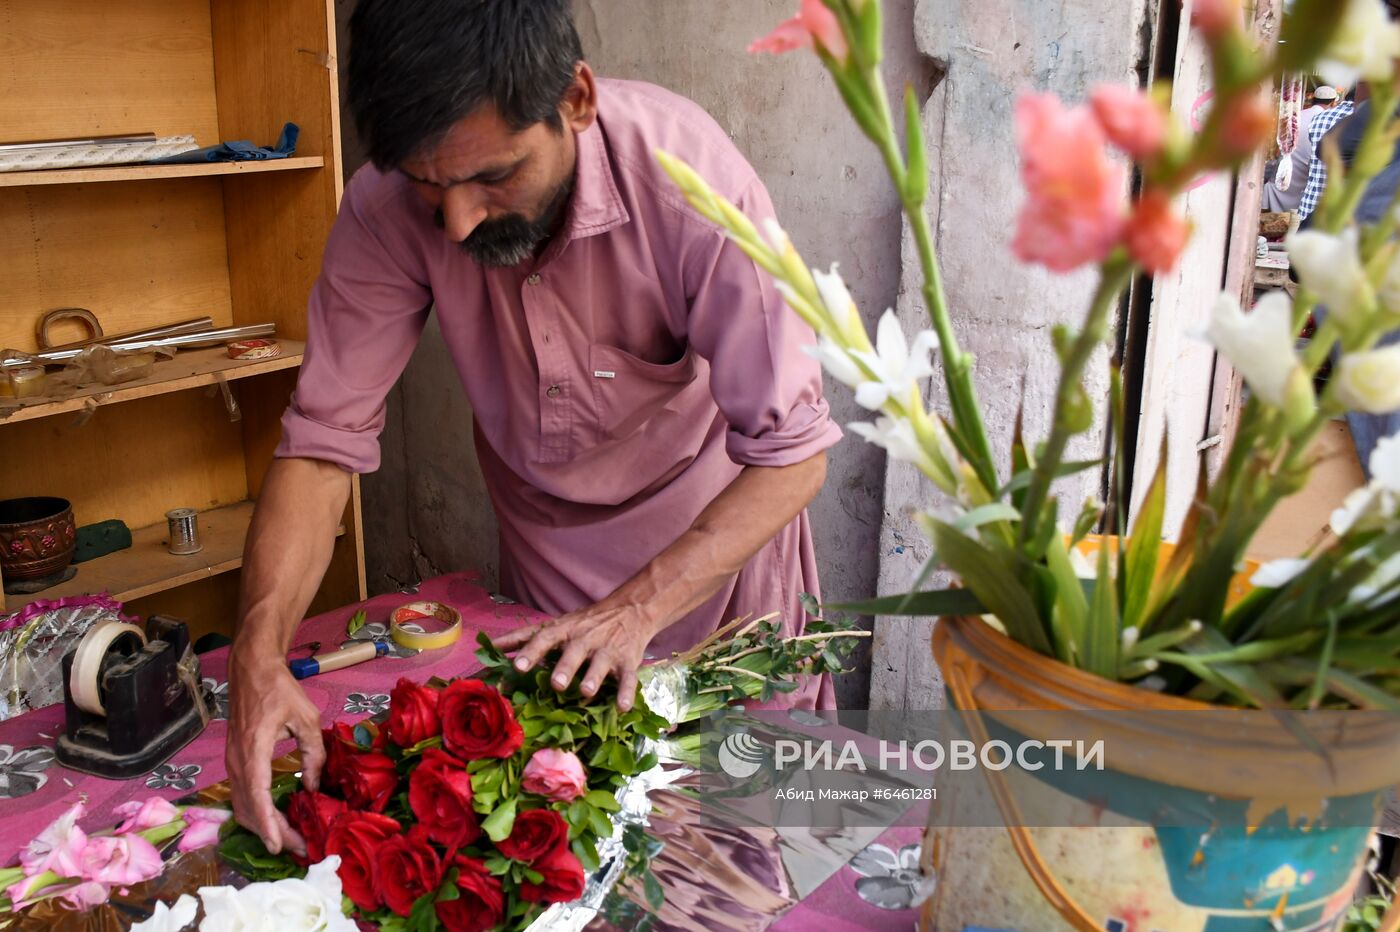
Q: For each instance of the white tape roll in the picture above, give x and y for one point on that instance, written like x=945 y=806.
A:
x=87 y=663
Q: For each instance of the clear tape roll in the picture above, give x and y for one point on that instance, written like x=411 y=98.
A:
x=87 y=663
x=418 y=612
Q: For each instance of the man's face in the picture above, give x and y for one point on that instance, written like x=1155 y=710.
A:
x=499 y=194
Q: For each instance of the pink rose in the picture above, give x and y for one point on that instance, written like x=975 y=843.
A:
x=1156 y=233
x=141 y=815
x=201 y=827
x=58 y=848
x=120 y=860
x=554 y=774
x=1132 y=120
x=1073 y=212
x=813 y=22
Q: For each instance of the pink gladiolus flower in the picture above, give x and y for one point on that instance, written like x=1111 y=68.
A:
x=1248 y=124
x=812 y=22
x=86 y=895
x=141 y=815
x=554 y=774
x=203 y=828
x=1156 y=234
x=1214 y=18
x=1073 y=214
x=58 y=848
x=120 y=860
x=1131 y=120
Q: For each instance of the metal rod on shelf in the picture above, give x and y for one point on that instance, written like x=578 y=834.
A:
x=188 y=340
x=148 y=333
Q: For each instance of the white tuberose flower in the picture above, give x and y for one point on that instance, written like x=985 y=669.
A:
x=834 y=359
x=895 y=435
x=1278 y=573
x=291 y=905
x=1260 y=345
x=897 y=365
x=1370 y=381
x=1364 y=45
x=839 y=304
x=1330 y=267
x=1377 y=504
x=169 y=919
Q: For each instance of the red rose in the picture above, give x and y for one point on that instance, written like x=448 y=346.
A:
x=405 y=868
x=480 y=903
x=367 y=779
x=357 y=837
x=477 y=721
x=311 y=815
x=562 y=878
x=535 y=834
x=440 y=795
x=413 y=715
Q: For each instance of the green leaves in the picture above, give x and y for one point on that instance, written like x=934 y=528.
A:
x=245 y=853
x=498 y=824
x=356 y=622
x=992 y=576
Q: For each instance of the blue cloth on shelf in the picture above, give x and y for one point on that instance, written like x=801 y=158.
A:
x=240 y=150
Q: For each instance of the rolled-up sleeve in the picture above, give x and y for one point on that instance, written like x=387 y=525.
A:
x=768 y=389
x=364 y=318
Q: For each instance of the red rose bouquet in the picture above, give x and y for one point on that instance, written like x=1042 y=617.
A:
x=476 y=804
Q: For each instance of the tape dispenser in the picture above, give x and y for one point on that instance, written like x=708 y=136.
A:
x=132 y=698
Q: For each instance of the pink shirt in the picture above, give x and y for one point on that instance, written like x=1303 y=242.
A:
x=619 y=382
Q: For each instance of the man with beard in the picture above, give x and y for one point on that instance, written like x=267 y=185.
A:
x=647 y=423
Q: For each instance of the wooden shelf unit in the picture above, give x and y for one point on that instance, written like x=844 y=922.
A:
x=153 y=172
x=240 y=243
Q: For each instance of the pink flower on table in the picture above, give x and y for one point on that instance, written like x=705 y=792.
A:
x=1131 y=119
x=1073 y=212
x=143 y=814
x=812 y=22
x=58 y=848
x=120 y=860
x=1214 y=18
x=203 y=827
x=86 y=895
x=1156 y=233
x=554 y=774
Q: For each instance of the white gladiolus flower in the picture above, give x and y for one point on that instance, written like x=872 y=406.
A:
x=1370 y=381
x=168 y=918
x=894 y=435
x=1330 y=267
x=291 y=905
x=1278 y=573
x=897 y=365
x=835 y=360
x=1260 y=345
x=1377 y=504
x=1364 y=46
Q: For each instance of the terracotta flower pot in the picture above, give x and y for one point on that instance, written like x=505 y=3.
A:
x=37 y=537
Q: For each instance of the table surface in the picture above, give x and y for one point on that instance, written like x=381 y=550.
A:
x=35 y=789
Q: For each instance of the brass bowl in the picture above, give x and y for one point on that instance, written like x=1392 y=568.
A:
x=37 y=537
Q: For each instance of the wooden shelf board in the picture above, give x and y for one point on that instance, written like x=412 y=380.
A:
x=147 y=567
x=189 y=369
x=154 y=172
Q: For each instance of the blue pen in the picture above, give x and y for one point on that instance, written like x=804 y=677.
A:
x=302 y=667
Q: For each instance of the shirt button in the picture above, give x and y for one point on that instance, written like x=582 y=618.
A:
x=553 y=391
x=534 y=279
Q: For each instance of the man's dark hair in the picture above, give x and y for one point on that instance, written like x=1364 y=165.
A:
x=419 y=66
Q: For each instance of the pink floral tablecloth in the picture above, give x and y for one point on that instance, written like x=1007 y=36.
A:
x=872 y=892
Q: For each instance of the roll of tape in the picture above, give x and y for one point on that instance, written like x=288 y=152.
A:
x=87 y=662
x=419 y=612
x=254 y=349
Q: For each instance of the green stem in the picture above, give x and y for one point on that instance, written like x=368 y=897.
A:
x=1117 y=272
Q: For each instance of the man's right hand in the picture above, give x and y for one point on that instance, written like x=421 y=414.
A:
x=266 y=706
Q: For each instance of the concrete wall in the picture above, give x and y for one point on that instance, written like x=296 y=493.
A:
x=426 y=511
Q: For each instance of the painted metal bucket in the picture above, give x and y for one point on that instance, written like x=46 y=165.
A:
x=1117 y=865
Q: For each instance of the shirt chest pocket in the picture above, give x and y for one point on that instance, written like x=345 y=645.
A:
x=630 y=391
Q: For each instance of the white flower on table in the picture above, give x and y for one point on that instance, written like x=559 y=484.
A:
x=1260 y=345
x=174 y=777
x=896 y=364
x=1364 y=45
x=1370 y=381
x=891 y=879
x=312 y=904
x=1330 y=267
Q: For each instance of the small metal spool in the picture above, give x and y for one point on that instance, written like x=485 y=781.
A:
x=184 y=531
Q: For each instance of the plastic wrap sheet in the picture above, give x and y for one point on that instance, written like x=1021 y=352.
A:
x=33 y=642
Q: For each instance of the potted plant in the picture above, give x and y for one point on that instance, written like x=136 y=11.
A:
x=1049 y=616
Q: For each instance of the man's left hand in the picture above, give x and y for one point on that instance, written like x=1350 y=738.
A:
x=612 y=640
